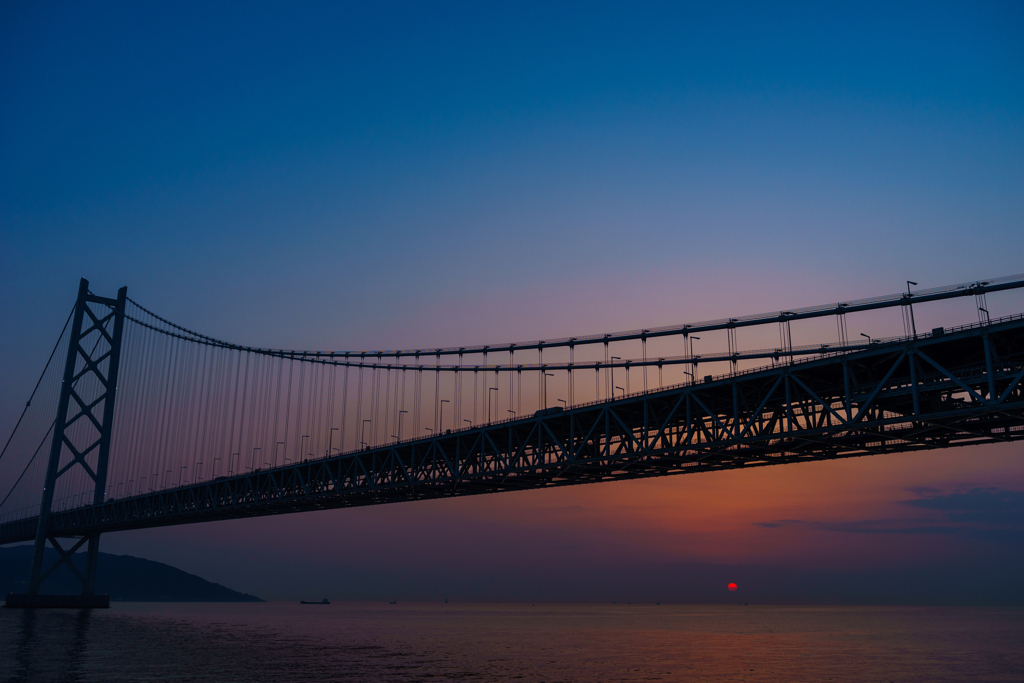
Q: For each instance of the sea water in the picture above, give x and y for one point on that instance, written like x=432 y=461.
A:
x=517 y=642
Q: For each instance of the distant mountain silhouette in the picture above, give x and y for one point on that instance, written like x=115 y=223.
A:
x=123 y=577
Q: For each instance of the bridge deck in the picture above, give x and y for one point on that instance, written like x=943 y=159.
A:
x=959 y=388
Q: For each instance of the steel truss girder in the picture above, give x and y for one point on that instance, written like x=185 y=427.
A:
x=913 y=395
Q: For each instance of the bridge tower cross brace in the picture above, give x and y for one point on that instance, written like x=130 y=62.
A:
x=94 y=350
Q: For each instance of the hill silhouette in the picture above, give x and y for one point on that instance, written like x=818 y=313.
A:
x=123 y=577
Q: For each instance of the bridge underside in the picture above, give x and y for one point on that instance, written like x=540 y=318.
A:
x=955 y=389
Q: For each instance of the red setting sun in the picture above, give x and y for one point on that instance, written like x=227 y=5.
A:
x=732 y=586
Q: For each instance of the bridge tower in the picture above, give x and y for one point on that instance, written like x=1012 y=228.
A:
x=81 y=435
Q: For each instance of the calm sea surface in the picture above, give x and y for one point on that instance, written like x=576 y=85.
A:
x=438 y=642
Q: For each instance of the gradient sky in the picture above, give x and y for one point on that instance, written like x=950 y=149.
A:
x=408 y=175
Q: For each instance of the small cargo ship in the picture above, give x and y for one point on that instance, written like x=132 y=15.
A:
x=310 y=602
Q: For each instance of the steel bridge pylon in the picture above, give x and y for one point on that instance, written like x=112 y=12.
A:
x=81 y=430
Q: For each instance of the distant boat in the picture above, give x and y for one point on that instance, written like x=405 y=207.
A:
x=308 y=602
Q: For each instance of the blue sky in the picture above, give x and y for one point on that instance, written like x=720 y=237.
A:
x=418 y=174
x=407 y=158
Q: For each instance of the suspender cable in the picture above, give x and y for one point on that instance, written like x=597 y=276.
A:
x=287 y=410
x=437 y=392
x=344 y=408
x=359 y=410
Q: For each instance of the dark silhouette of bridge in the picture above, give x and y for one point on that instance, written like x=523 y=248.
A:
x=150 y=424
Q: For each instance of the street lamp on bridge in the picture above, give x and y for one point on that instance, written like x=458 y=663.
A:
x=913 y=326
x=612 y=371
x=362 y=434
x=440 y=416
x=693 y=360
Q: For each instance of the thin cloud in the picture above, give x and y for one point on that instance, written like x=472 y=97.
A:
x=781 y=522
x=990 y=514
x=866 y=526
x=923 y=490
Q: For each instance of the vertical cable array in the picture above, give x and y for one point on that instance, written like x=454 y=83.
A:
x=191 y=408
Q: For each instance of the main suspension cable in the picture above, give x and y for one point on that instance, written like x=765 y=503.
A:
x=36 y=388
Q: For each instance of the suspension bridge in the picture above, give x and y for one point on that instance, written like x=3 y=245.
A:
x=137 y=422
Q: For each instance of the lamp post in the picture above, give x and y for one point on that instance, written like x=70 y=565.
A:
x=693 y=363
x=866 y=337
x=330 y=441
x=913 y=326
x=612 y=370
x=362 y=434
x=489 y=390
